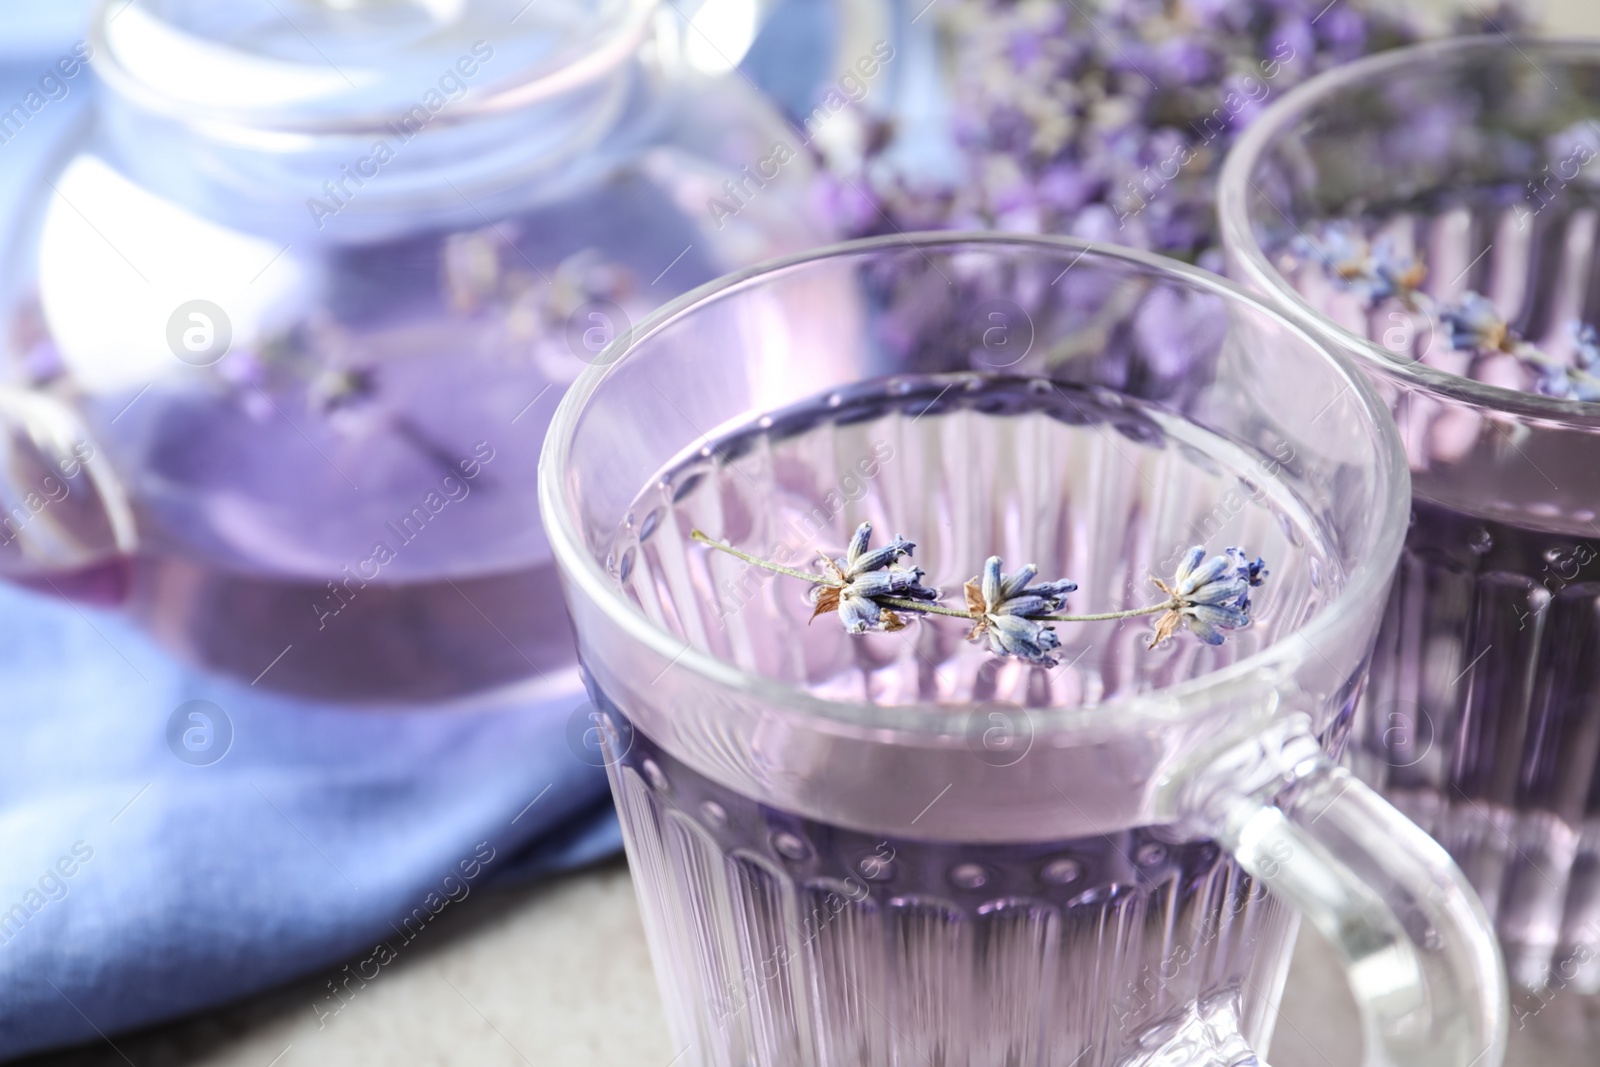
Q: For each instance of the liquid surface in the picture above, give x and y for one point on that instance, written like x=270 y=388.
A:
x=399 y=560
x=1086 y=484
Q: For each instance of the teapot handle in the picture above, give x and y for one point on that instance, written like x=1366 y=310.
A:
x=1417 y=947
x=62 y=510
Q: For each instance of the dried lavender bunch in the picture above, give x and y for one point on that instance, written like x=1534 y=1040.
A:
x=870 y=590
x=1105 y=119
x=1379 y=271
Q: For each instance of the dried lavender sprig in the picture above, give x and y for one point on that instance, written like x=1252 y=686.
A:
x=1378 y=271
x=1103 y=616
x=1009 y=612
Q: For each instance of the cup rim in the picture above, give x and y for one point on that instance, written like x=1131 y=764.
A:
x=1250 y=260
x=585 y=577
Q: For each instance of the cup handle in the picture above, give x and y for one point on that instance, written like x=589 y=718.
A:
x=62 y=510
x=1416 y=945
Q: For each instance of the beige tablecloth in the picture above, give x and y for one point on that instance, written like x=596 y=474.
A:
x=558 y=976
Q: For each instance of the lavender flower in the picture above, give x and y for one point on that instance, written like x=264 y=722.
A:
x=1067 y=115
x=864 y=578
x=1553 y=380
x=1397 y=274
x=1579 y=382
x=1003 y=606
x=1377 y=269
x=1586 y=345
x=1475 y=325
x=1341 y=248
x=1209 y=595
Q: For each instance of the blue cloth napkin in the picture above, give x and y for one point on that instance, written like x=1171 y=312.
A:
x=137 y=887
x=137 y=884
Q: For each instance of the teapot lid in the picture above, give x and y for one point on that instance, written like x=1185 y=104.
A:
x=353 y=66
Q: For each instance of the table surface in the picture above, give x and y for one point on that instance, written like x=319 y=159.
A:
x=557 y=975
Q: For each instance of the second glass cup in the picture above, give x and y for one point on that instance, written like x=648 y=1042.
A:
x=899 y=848
x=1432 y=212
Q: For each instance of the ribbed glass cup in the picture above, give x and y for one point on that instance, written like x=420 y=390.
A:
x=1482 y=720
x=899 y=849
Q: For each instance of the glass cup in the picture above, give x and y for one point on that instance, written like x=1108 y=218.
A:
x=1472 y=160
x=898 y=849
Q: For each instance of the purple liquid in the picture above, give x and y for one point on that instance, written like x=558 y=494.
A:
x=1482 y=722
x=388 y=551
x=783 y=938
x=389 y=642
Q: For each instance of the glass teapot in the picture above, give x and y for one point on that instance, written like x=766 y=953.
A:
x=289 y=314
